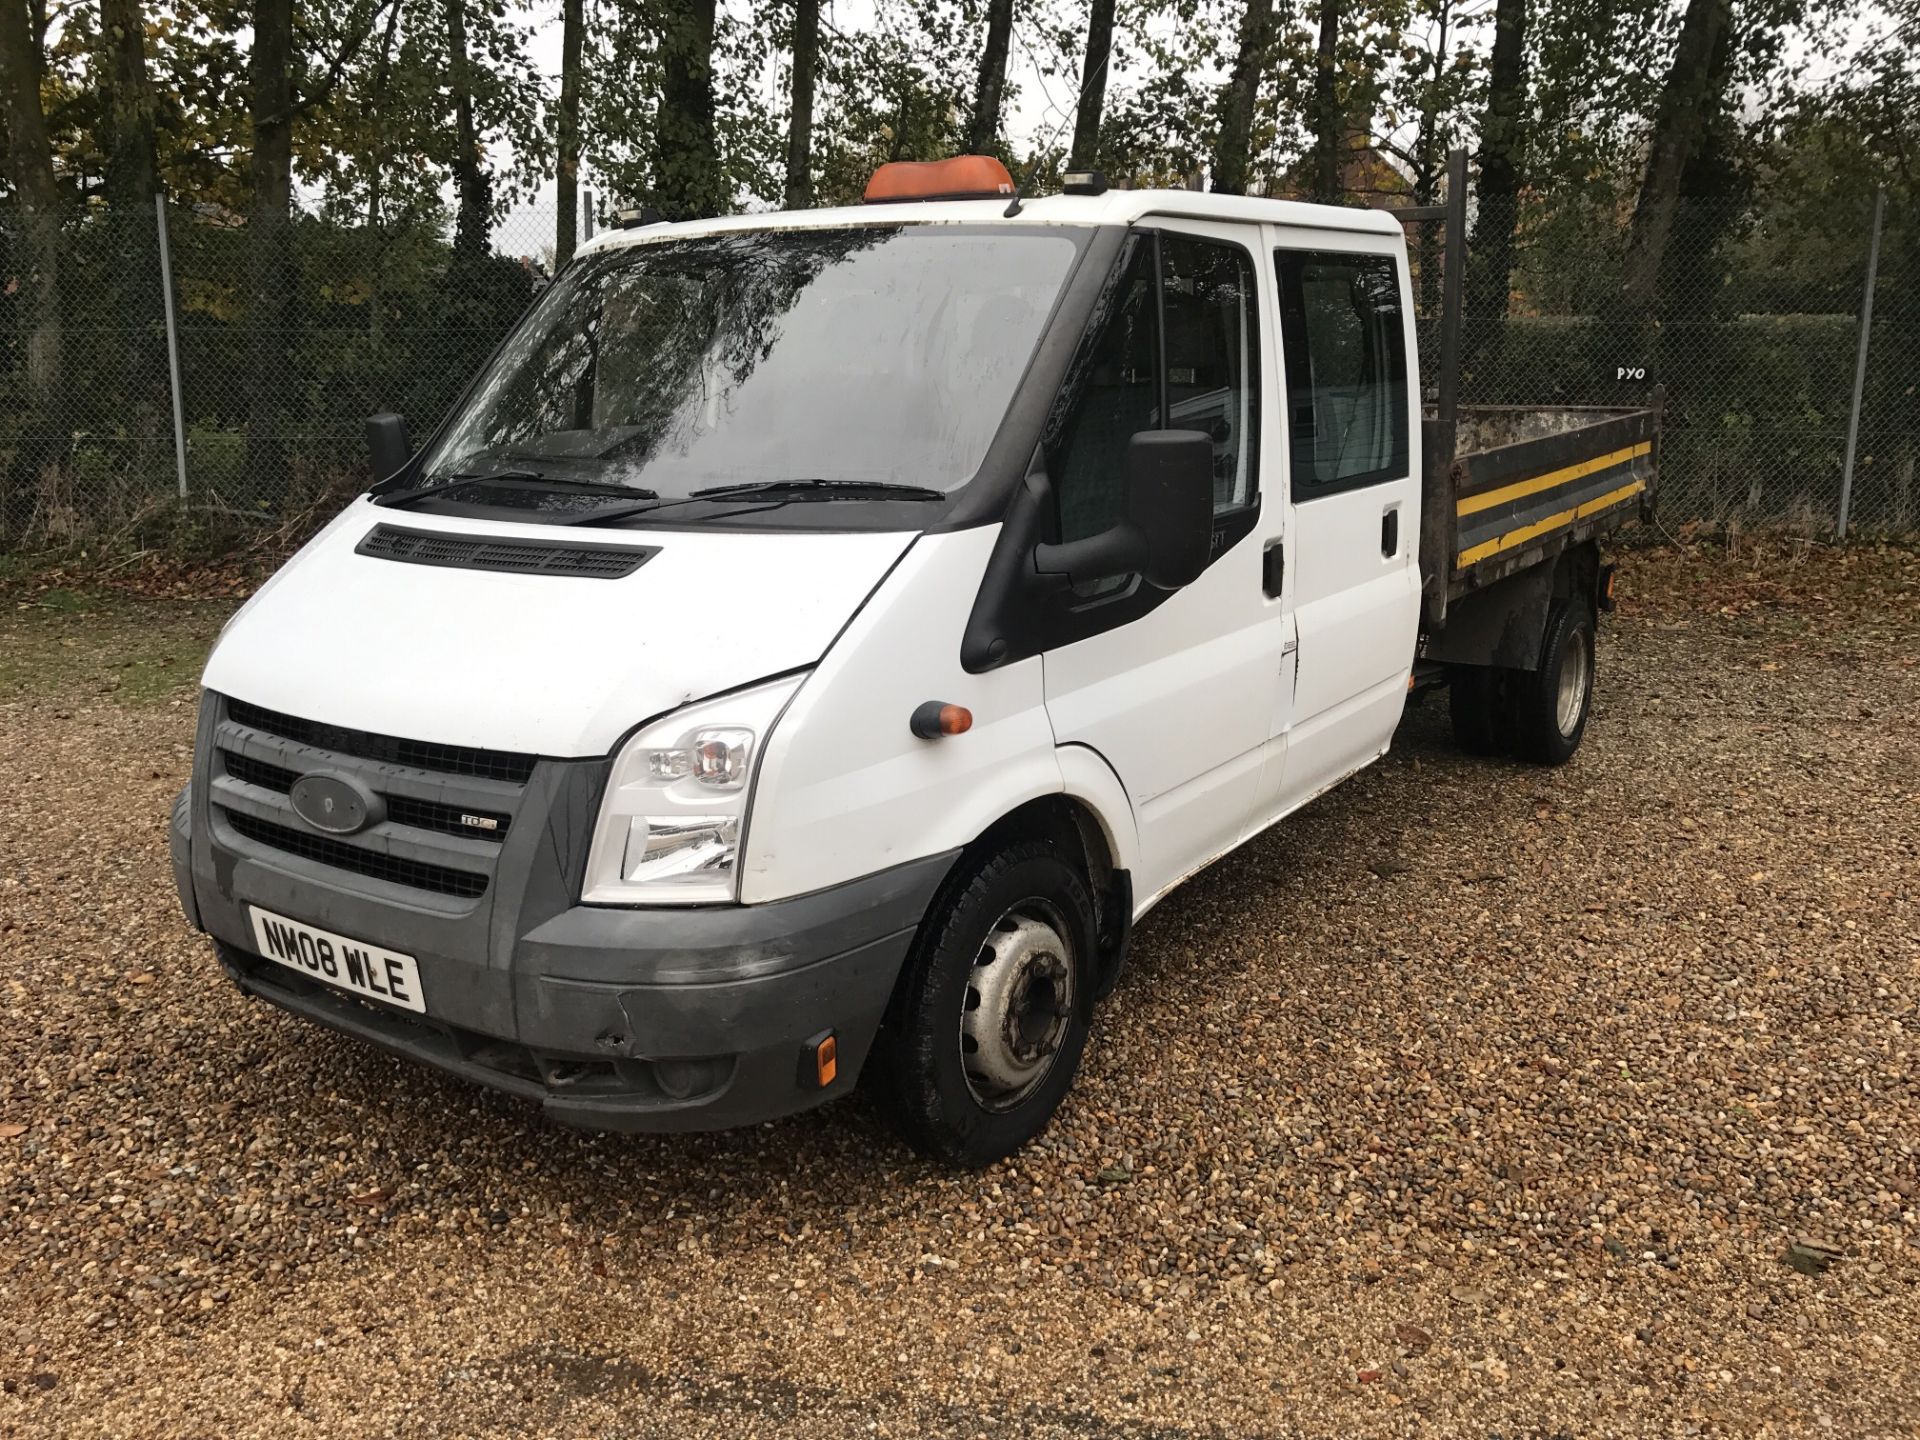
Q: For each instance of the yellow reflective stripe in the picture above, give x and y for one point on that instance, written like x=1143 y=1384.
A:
x=1552 y=522
x=1473 y=504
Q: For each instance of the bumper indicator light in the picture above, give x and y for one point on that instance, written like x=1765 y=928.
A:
x=820 y=1061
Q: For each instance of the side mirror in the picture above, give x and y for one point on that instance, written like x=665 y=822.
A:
x=1166 y=529
x=388 y=446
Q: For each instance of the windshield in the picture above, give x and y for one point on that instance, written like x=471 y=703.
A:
x=876 y=355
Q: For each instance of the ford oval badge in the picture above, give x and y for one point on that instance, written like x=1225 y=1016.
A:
x=338 y=804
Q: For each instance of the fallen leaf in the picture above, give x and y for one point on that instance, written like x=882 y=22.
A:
x=1810 y=1256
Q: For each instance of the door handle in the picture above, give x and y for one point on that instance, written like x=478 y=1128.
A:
x=1273 y=568
x=1390 y=532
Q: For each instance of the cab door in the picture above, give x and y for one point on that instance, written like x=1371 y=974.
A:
x=1351 y=466
x=1176 y=691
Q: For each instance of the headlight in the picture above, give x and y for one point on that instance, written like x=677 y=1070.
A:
x=676 y=805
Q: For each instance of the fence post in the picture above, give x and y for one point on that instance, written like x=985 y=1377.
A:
x=586 y=206
x=1860 y=361
x=173 y=345
x=1455 y=267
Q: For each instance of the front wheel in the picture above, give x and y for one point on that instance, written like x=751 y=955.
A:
x=988 y=1027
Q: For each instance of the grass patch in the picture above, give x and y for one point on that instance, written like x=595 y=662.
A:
x=77 y=644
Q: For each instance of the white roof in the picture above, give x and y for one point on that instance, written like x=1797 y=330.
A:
x=1116 y=207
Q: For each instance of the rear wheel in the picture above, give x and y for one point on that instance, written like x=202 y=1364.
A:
x=1551 y=706
x=1476 y=700
x=987 y=1030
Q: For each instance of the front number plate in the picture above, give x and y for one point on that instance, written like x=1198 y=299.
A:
x=348 y=964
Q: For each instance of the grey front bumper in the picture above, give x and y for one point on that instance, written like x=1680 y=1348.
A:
x=682 y=1018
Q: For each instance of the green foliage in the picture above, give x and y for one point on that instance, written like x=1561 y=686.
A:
x=1751 y=331
x=898 y=91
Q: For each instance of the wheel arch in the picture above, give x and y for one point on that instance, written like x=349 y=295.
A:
x=1090 y=819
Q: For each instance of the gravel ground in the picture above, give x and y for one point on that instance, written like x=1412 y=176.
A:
x=1474 y=1100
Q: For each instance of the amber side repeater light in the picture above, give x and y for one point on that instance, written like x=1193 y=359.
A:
x=935 y=718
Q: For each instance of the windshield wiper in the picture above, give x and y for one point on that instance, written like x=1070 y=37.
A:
x=778 y=492
x=824 y=489
x=464 y=480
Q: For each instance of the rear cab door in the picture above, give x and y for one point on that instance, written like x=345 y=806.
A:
x=1350 y=460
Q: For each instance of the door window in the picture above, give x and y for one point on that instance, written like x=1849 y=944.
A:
x=1344 y=339
x=1112 y=395
x=1212 y=369
x=1199 y=295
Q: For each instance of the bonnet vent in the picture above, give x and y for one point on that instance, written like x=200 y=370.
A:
x=509 y=557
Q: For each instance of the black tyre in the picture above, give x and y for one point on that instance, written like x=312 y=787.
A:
x=1476 y=700
x=1551 y=706
x=992 y=1013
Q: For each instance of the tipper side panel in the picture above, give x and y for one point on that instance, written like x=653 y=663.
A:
x=1514 y=504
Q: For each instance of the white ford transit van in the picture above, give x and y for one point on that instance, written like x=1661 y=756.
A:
x=815 y=639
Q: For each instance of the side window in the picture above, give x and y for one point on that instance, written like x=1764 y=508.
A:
x=1213 y=366
x=1204 y=304
x=1344 y=339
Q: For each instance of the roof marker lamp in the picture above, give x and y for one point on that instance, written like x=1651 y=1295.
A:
x=676 y=804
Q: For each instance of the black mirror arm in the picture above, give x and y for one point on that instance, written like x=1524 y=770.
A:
x=1120 y=550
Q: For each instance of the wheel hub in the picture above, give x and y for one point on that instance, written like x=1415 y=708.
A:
x=1015 y=1013
x=1574 y=668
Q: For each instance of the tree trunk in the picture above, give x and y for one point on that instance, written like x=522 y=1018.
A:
x=898 y=149
x=1428 y=164
x=1502 y=155
x=37 y=194
x=131 y=184
x=1694 y=90
x=131 y=181
x=566 y=187
x=687 y=180
x=376 y=187
x=983 y=128
x=1328 y=127
x=470 y=180
x=269 y=246
x=1232 y=148
x=37 y=269
x=806 y=52
x=1093 y=86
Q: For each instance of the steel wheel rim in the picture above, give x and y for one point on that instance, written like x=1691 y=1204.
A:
x=1575 y=670
x=1017 y=1008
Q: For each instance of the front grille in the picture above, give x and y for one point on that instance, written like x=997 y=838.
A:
x=505 y=765
x=375 y=864
x=249 y=771
x=401 y=809
x=511 y=557
x=428 y=792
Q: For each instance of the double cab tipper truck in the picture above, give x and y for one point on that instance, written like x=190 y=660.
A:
x=814 y=640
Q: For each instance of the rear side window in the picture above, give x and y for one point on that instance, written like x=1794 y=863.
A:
x=1343 y=335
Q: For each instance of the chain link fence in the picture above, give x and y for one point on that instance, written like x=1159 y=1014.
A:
x=280 y=351
x=1752 y=335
